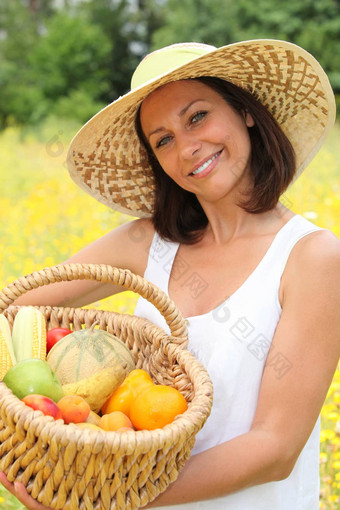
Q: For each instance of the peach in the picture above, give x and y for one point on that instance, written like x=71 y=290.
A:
x=124 y=429
x=74 y=409
x=114 y=421
x=44 y=404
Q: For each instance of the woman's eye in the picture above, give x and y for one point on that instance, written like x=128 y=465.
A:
x=197 y=117
x=163 y=141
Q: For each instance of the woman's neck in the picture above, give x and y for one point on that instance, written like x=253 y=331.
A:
x=229 y=223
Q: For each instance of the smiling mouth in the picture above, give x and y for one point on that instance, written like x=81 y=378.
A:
x=205 y=165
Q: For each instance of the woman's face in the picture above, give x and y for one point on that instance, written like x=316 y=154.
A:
x=199 y=140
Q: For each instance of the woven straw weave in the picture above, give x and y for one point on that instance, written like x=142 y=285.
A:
x=68 y=468
x=108 y=161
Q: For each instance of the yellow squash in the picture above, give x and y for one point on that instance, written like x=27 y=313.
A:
x=97 y=388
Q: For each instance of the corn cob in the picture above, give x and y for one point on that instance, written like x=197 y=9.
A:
x=29 y=334
x=7 y=359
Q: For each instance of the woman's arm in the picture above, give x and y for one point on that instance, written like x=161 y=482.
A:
x=308 y=336
x=127 y=247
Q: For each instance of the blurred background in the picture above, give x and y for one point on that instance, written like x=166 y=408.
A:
x=63 y=60
x=69 y=57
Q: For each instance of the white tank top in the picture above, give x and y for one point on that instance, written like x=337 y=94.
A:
x=232 y=342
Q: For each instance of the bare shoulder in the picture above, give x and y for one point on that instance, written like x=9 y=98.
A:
x=139 y=231
x=314 y=264
x=136 y=238
x=320 y=247
x=126 y=246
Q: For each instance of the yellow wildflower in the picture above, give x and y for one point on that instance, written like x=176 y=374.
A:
x=323 y=457
x=327 y=435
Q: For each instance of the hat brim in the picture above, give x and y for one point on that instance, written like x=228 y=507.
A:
x=108 y=161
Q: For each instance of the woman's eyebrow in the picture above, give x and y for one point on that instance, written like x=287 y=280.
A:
x=181 y=113
x=186 y=108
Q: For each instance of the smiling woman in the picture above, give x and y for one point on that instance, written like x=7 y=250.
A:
x=257 y=283
x=264 y=172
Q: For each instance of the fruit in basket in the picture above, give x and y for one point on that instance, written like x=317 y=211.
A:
x=33 y=376
x=74 y=409
x=85 y=352
x=98 y=387
x=29 y=334
x=54 y=335
x=93 y=418
x=44 y=404
x=121 y=399
x=115 y=421
x=156 y=406
x=6 y=347
x=137 y=380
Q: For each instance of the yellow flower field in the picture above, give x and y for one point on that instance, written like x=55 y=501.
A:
x=45 y=218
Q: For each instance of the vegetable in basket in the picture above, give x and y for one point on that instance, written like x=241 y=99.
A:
x=54 y=335
x=23 y=351
x=27 y=339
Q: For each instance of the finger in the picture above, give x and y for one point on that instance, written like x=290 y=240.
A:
x=19 y=491
x=6 y=483
x=23 y=496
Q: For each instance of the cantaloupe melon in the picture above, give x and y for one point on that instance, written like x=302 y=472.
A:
x=86 y=351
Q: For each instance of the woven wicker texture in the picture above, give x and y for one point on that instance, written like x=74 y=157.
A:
x=107 y=160
x=68 y=468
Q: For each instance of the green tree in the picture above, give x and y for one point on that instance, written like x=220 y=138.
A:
x=53 y=58
x=67 y=58
x=18 y=35
x=313 y=25
x=210 y=21
x=129 y=26
x=72 y=53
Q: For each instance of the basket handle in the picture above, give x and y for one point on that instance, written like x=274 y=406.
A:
x=100 y=273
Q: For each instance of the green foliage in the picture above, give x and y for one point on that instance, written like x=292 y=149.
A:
x=209 y=21
x=78 y=105
x=129 y=26
x=73 y=52
x=57 y=56
x=312 y=25
x=68 y=61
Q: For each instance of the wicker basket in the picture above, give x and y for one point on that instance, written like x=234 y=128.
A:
x=65 y=467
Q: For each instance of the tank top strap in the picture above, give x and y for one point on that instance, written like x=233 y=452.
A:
x=162 y=253
x=287 y=237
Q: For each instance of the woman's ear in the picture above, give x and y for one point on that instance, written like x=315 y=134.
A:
x=248 y=119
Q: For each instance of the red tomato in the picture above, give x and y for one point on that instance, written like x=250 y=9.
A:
x=54 y=335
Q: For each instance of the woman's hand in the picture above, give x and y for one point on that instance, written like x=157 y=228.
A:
x=18 y=490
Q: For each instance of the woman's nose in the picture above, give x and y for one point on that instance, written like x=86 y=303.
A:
x=189 y=145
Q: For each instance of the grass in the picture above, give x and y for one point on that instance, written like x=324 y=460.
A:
x=46 y=218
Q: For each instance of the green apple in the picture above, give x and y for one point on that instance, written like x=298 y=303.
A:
x=33 y=376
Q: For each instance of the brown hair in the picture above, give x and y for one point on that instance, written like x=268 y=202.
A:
x=178 y=215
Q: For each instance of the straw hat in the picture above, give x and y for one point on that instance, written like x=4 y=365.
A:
x=107 y=159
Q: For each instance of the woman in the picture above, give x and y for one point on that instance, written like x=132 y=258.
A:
x=206 y=143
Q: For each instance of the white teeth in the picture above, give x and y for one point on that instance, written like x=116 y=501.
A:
x=204 y=166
